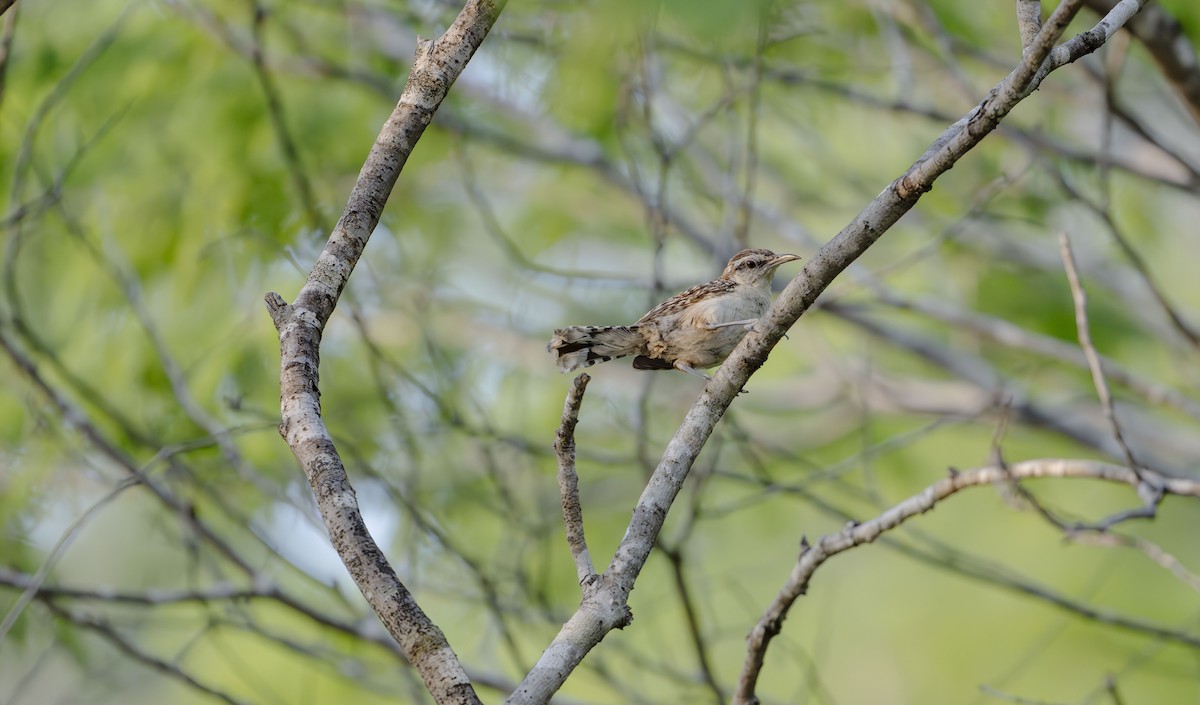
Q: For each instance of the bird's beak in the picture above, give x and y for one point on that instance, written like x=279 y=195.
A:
x=782 y=259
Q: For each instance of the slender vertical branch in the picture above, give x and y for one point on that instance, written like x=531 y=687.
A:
x=291 y=153
x=1083 y=330
x=568 y=480
x=745 y=213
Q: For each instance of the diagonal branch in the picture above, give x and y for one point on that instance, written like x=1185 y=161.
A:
x=301 y=324
x=605 y=607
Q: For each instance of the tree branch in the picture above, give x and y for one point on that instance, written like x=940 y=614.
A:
x=1029 y=21
x=127 y=647
x=436 y=66
x=1079 y=299
x=568 y=480
x=605 y=608
x=812 y=557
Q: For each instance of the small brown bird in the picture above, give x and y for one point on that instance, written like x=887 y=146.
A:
x=693 y=329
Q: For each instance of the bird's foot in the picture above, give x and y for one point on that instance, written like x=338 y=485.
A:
x=684 y=367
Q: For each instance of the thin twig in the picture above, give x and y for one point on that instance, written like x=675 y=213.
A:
x=1110 y=686
x=813 y=556
x=35 y=582
x=943 y=557
x=75 y=417
x=745 y=211
x=674 y=554
x=1140 y=266
x=1079 y=296
x=124 y=645
x=1151 y=550
x=568 y=480
x=287 y=144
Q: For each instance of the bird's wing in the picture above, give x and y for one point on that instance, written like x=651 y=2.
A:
x=684 y=299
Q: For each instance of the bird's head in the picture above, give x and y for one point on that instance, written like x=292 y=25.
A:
x=755 y=267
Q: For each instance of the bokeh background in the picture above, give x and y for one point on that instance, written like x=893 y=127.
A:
x=164 y=164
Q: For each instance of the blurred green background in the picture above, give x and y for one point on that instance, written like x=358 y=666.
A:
x=164 y=164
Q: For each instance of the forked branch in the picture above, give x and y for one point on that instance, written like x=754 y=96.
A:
x=813 y=556
x=301 y=325
x=606 y=606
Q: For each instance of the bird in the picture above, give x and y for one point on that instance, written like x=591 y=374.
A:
x=692 y=330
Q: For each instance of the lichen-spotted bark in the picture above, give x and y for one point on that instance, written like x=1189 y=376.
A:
x=436 y=66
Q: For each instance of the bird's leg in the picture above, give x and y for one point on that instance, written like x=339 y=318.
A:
x=684 y=367
x=749 y=323
x=750 y=326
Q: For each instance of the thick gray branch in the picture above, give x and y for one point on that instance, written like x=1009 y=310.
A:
x=436 y=66
x=605 y=606
x=1029 y=21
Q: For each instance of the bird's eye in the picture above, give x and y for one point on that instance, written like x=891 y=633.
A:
x=752 y=264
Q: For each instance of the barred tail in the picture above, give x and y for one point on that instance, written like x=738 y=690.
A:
x=584 y=346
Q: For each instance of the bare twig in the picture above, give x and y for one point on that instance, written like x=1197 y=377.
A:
x=674 y=554
x=1083 y=330
x=568 y=480
x=1110 y=686
x=1103 y=211
x=126 y=646
x=941 y=556
x=31 y=587
x=76 y=418
x=981 y=373
x=287 y=144
x=745 y=211
x=1079 y=296
x=1150 y=549
x=1009 y=334
x=814 y=555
